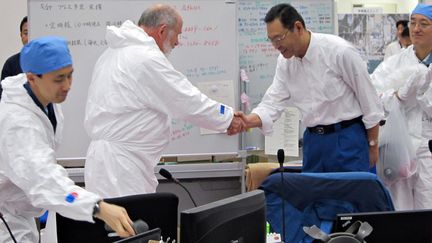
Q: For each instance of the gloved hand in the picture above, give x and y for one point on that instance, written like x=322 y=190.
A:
x=414 y=84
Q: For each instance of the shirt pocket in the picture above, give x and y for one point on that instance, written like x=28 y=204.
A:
x=332 y=85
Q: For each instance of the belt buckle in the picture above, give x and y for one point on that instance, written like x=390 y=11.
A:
x=320 y=130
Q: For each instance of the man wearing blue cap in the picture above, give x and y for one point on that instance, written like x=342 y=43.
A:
x=31 y=181
x=406 y=76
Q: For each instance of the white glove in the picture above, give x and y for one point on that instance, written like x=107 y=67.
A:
x=426 y=82
x=415 y=84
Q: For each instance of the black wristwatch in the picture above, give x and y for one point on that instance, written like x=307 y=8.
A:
x=96 y=208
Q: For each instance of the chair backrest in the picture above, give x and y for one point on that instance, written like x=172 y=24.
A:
x=158 y=210
x=316 y=199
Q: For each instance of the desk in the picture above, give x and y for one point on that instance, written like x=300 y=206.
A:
x=185 y=171
x=207 y=182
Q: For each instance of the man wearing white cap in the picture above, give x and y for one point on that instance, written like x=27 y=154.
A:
x=406 y=76
x=31 y=181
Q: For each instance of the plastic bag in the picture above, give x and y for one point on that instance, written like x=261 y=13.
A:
x=397 y=156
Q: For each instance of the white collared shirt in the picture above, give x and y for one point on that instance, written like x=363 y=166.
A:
x=328 y=85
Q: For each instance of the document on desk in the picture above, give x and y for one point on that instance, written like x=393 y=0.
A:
x=221 y=91
x=285 y=134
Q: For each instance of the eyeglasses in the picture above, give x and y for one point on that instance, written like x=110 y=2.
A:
x=277 y=39
x=421 y=25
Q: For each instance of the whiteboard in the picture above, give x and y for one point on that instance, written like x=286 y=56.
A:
x=258 y=56
x=207 y=51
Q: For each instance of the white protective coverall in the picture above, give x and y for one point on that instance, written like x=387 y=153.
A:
x=31 y=181
x=133 y=95
x=403 y=73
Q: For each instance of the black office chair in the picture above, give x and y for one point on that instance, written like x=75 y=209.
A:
x=158 y=210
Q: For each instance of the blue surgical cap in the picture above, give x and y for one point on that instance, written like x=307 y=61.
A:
x=44 y=55
x=423 y=9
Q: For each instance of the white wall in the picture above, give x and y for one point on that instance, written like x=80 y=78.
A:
x=10 y=41
x=14 y=10
x=402 y=6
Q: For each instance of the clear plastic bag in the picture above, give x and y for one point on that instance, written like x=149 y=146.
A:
x=397 y=156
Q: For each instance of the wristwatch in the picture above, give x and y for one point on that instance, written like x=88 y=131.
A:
x=373 y=142
x=96 y=208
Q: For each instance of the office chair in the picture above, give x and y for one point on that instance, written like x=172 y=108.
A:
x=316 y=198
x=158 y=210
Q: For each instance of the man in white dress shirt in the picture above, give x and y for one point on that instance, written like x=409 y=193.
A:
x=326 y=79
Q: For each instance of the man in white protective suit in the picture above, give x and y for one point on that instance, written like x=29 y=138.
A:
x=406 y=76
x=134 y=93
x=31 y=124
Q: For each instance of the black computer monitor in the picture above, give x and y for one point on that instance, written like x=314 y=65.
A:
x=145 y=237
x=396 y=226
x=158 y=210
x=239 y=219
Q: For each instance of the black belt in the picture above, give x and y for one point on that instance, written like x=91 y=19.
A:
x=326 y=129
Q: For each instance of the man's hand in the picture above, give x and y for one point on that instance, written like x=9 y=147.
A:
x=248 y=121
x=117 y=218
x=237 y=124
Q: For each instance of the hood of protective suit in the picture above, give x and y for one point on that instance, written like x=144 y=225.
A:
x=13 y=90
x=128 y=34
x=15 y=93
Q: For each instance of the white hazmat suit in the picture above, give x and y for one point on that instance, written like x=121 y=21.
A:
x=404 y=73
x=133 y=95
x=30 y=178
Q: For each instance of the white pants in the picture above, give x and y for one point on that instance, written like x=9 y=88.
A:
x=415 y=192
x=23 y=228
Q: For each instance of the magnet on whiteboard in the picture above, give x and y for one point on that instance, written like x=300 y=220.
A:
x=214 y=88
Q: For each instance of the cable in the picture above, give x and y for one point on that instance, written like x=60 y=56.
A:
x=7 y=226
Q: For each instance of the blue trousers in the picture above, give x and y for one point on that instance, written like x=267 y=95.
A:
x=341 y=151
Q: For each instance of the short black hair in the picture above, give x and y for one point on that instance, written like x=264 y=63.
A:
x=403 y=22
x=405 y=32
x=287 y=15
x=23 y=21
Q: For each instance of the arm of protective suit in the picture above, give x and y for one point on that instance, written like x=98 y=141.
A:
x=424 y=93
x=274 y=101
x=398 y=77
x=28 y=160
x=354 y=73
x=169 y=91
x=382 y=84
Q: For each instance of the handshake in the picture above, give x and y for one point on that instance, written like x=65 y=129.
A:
x=241 y=122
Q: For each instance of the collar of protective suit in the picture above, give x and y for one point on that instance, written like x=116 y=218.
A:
x=127 y=34
x=15 y=93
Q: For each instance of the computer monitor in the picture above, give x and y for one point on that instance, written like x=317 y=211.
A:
x=396 y=226
x=154 y=234
x=158 y=210
x=240 y=218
